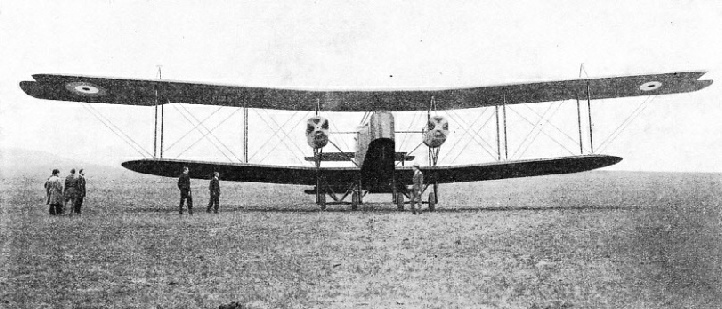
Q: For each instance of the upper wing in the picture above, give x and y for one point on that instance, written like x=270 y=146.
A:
x=304 y=175
x=143 y=92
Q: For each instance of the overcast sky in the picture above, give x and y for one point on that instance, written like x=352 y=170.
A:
x=359 y=44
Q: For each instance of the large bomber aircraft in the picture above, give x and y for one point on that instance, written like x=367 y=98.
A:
x=374 y=167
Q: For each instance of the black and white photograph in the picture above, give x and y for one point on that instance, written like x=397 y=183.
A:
x=360 y=154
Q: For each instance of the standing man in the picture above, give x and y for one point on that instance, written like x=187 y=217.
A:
x=418 y=186
x=80 y=188
x=54 y=190
x=184 y=184
x=215 y=189
x=71 y=182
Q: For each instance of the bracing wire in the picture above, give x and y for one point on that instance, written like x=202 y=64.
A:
x=209 y=131
x=409 y=153
x=286 y=134
x=411 y=125
x=280 y=128
x=192 y=129
x=457 y=118
x=618 y=131
x=203 y=136
x=551 y=124
x=412 y=151
x=477 y=132
x=469 y=142
x=467 y=127
x=344 y=153
x=117 y=131
x=200 y=123
x=288 y=137
x=541 y=130
x=474 y=136
x=534 y=128
x=343 y=142
x=275 y=133
x=551 y=137
x=365 y=117
x=621 y=126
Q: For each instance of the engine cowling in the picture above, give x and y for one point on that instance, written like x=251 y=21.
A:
x=435 y=131
x=317 y=132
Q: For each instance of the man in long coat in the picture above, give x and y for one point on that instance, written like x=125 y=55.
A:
x=54 y=191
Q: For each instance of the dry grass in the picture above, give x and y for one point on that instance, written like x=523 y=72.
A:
x=594 y=240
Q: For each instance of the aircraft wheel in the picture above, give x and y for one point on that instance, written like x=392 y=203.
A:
x=432 y=201
x=355 y=199
x=322 y=201
x=400 y=201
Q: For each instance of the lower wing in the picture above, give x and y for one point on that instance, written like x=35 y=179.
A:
x=306 y=175
x=511 y=169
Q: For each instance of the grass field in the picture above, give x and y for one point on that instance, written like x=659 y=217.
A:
x=591 y=240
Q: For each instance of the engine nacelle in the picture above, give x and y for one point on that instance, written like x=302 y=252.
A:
x=317 y=132
x=436 y=131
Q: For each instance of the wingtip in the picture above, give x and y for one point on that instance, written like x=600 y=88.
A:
x=131 y=165
x=29 y=87
x=607 y=160
x=704 y=83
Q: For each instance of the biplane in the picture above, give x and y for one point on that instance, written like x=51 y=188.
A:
x=375 y=162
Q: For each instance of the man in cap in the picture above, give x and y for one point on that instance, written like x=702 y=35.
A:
x=80 y=192
x=184 y=185
x=71 y=192
x=215 y=190
x=418 y=187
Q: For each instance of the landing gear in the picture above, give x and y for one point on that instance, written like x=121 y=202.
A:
x=433 y=183
x=321 y=198
x=356 y=196
x=432 y=201
x=433 y=198
x=440 y=126
x=397 y=196
x=400 y=201
x=320 y=193
x=323 y=190
x=355 y=199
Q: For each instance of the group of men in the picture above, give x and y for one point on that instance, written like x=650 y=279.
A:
x=58 y=195
x=184 y=185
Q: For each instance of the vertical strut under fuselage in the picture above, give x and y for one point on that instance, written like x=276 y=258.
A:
x=376 y=152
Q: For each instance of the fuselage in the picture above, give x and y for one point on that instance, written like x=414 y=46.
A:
x=376 y=152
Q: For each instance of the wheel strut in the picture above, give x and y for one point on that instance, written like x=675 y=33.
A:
x=356 y=196
x=320 y=192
